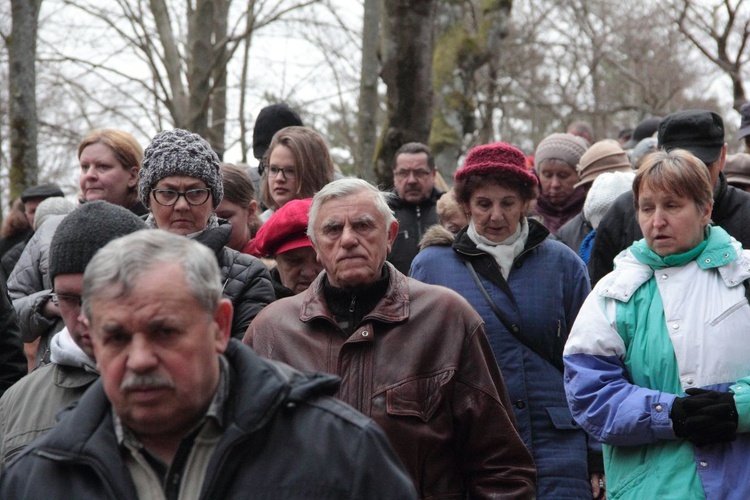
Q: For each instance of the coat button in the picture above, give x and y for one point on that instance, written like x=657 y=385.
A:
x=664 y=276
x=365 y=333
x=689 y=381
x=520 y=404
x=658 y=408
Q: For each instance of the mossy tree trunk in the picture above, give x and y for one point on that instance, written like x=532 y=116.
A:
x=406 y=49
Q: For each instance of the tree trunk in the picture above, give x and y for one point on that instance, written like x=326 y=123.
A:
x=368 y=92
x=407 y=45
x=244 y=129
x=200 y=63
x=217 y=129
x=22 y=79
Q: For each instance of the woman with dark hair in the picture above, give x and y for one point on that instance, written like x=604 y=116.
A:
x=15 y=228
x=239 y=207
x=657 y=365
x=528 y=289
x=297 y=165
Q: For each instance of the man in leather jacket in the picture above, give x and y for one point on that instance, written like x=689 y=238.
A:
x=412 y=356
x=183 y=412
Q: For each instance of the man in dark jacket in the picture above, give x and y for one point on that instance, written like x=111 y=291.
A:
x=181 y=411
x=702 y=133
x=414 y=203
x=412 y=356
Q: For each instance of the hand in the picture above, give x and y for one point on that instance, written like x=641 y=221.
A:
x=704 y=416
x=598 y=486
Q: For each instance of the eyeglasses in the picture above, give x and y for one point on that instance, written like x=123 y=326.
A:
x=67 y=300
x=419 y=174
x=287 y=172
x=169 y=197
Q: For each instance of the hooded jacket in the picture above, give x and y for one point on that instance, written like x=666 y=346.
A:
x=30 y=407
x=545 y=288
x=283 y=438
x=419 y=364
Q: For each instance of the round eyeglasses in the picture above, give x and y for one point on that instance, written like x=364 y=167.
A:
x=169 y=197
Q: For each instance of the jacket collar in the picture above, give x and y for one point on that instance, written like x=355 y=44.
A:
x=537 y=234
x=88 y=433
x=392 y=308
x=630 y=274
x=397 y=202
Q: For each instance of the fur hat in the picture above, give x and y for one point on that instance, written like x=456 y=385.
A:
x=603 y=156
x=566 y=147
x=84 y=231
x=496 y=158
x=179 y=152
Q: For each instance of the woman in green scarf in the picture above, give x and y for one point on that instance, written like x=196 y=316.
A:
x=657 y=366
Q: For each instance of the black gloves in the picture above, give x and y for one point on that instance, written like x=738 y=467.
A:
x=705 y=417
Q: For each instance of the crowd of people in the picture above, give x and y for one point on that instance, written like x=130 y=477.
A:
x=567 y=324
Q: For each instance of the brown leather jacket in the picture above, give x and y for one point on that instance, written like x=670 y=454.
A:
x=420 y=365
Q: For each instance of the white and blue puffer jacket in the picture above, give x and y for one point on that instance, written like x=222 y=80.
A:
x=623 y=397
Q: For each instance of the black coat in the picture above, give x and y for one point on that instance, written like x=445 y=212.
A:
x=247 y=282
x=12 y=359
x=619 y=228
x=285 y=437
x=413 y=221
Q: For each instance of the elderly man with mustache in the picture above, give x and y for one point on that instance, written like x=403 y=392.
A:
x=183 y=412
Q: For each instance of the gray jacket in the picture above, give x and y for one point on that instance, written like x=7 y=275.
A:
x=29 y=286
x=30 y=407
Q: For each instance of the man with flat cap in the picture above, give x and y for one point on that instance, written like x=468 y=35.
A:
x=700 y=132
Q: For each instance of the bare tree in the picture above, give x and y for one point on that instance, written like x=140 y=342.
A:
x=22 y=79
x=187 y=66
x=720 y=31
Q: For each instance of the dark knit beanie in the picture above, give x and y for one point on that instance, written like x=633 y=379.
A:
x=270 y=120
x=566 y=147
x=84 y=231
x=179 y=152
x=497 y=158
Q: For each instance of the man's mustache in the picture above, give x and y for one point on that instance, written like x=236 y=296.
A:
x=145 y=381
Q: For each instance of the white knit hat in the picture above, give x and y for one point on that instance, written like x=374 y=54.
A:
x=604 y=190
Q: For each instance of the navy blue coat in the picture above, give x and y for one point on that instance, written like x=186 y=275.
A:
x=548 y=284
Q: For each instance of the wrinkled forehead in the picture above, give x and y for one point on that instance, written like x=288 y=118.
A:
x=355 y=207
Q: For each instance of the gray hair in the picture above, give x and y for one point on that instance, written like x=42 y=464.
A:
x=343 y=188
x=121 y=262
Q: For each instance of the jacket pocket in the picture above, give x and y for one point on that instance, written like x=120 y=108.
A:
x=561 y=418
x=728 y=312
x=418 y=397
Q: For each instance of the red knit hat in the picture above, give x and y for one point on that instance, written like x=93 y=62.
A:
x=496 y=158
x=285 y=230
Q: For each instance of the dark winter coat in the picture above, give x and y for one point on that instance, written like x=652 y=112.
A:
x=413 y=221
x=247 y=282
x=544 y=291
x=284 y=438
